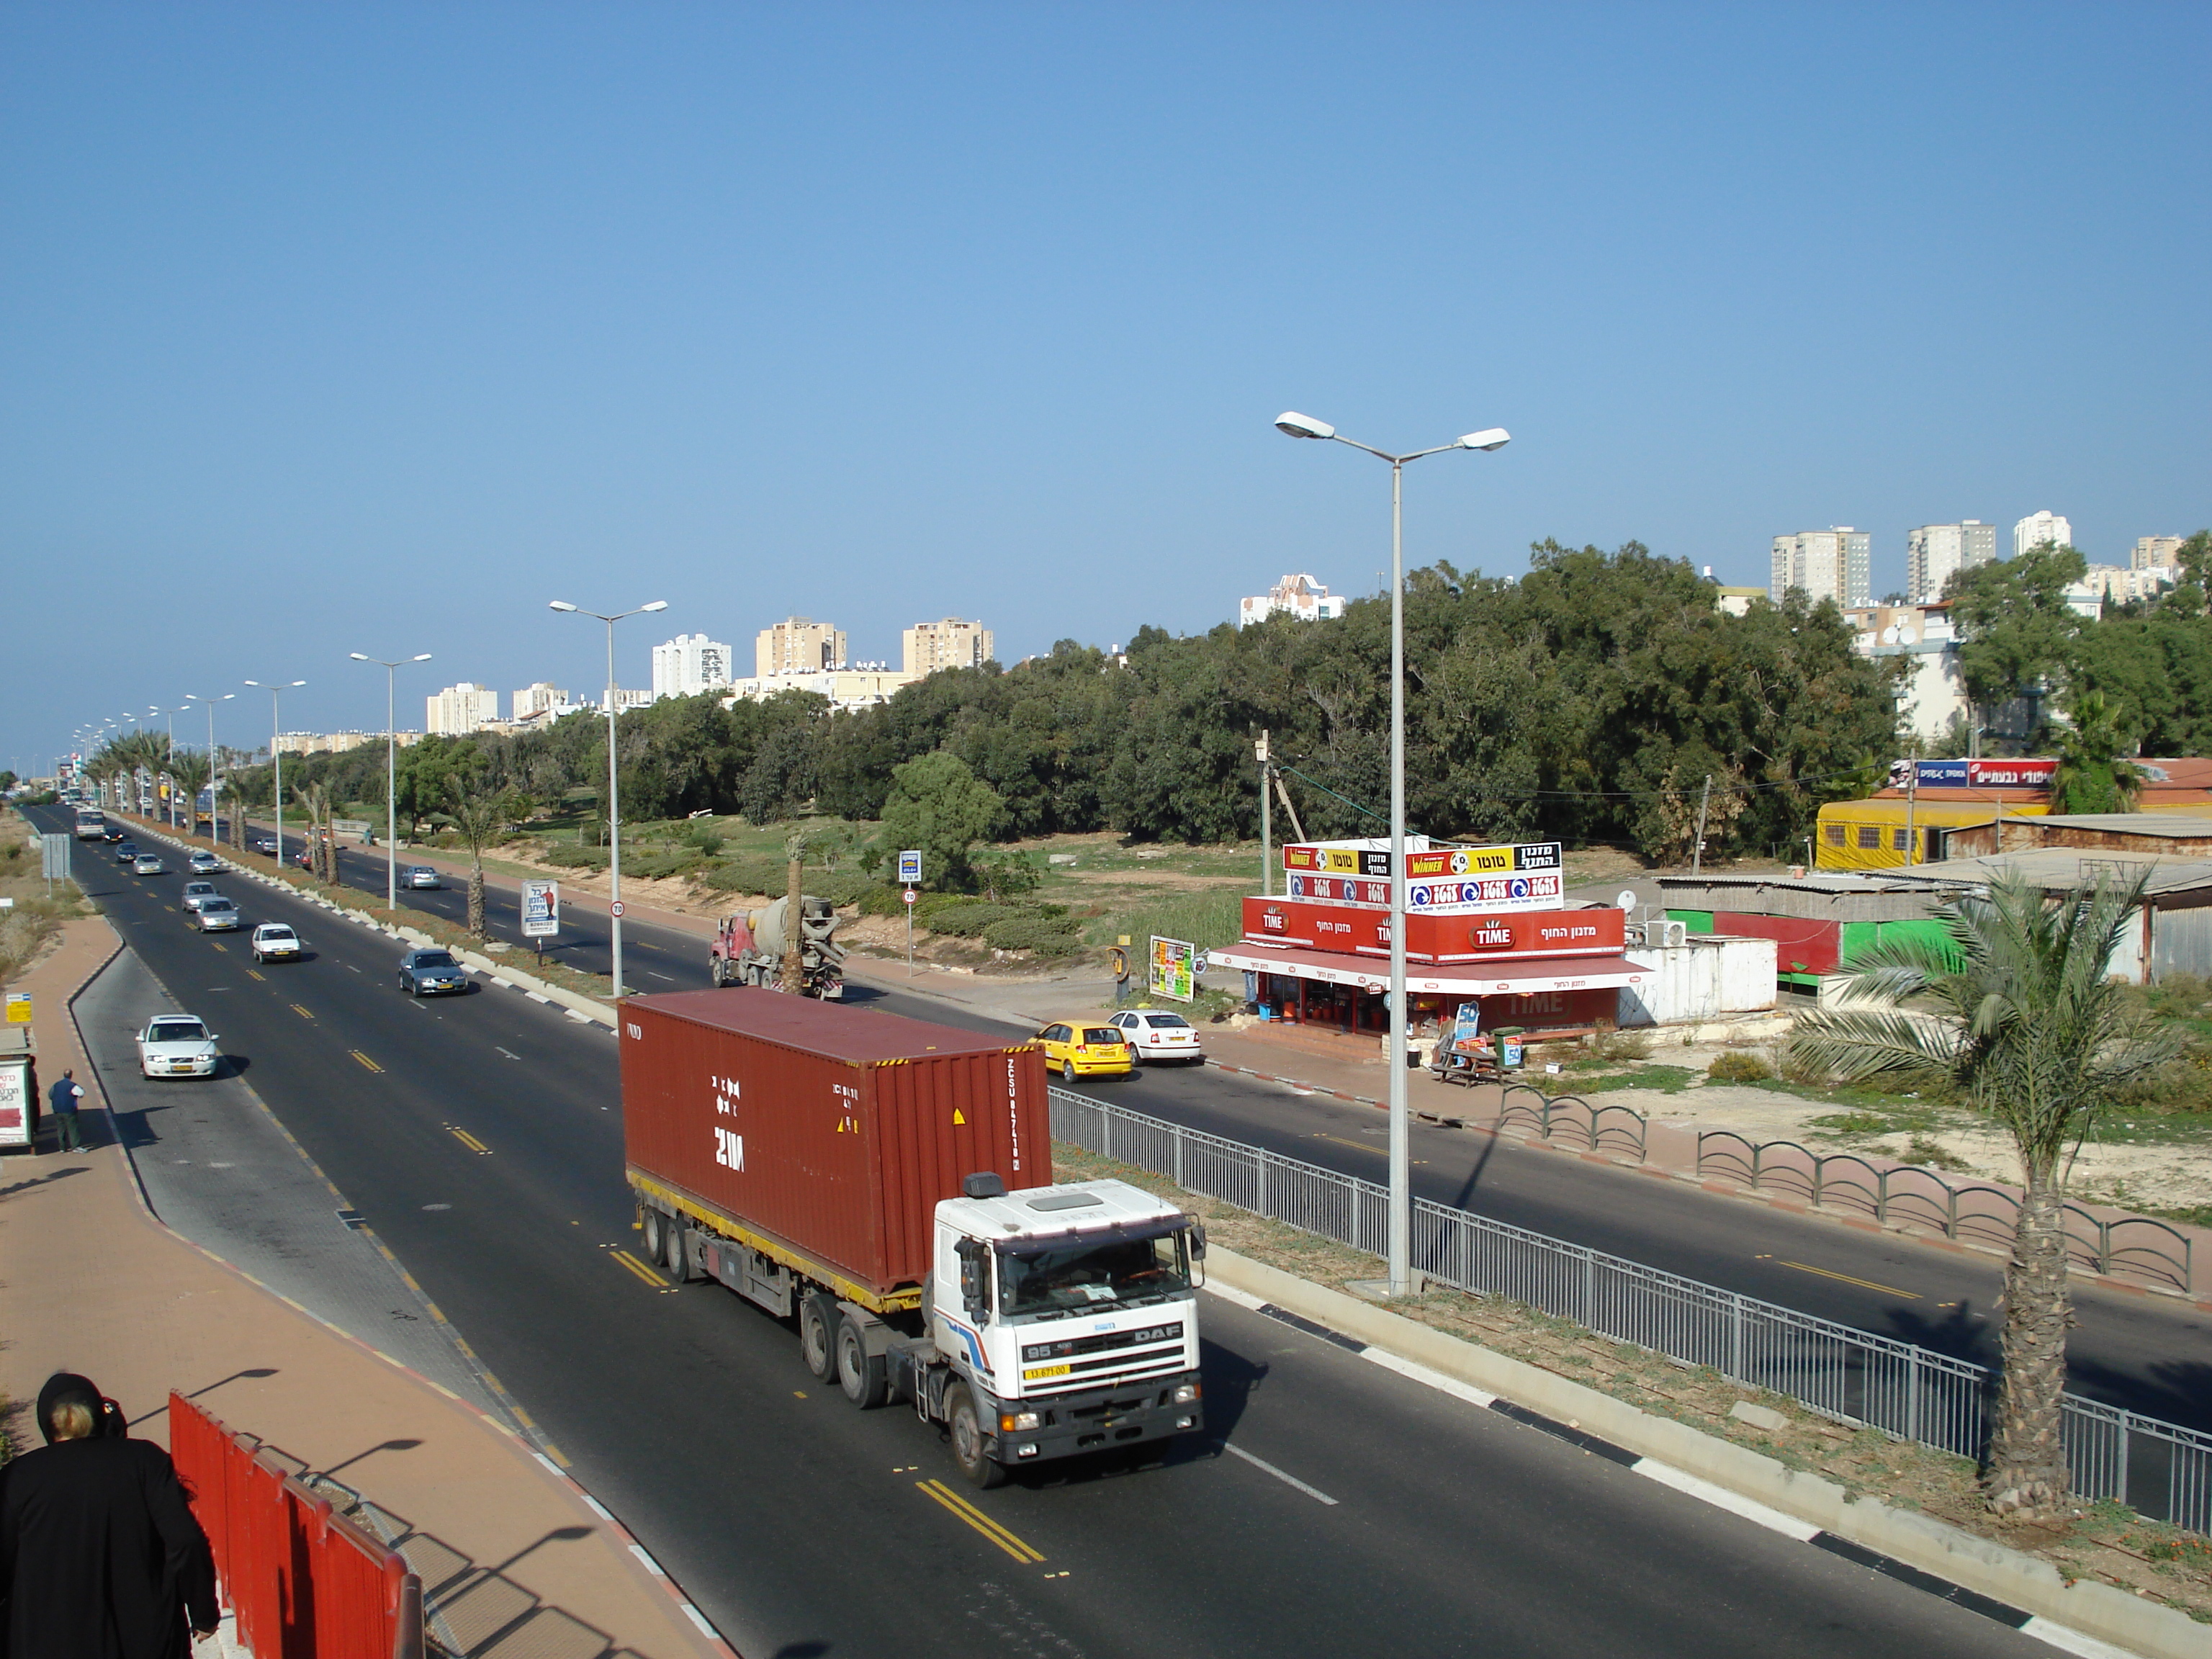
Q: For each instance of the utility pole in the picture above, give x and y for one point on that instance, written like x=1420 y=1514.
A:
x=1698 y=852
x=1267 y=825
x=1912 y=792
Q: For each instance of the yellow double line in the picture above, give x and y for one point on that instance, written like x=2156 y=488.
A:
x=983 y=1523
x=364 y=1060
x=467 y=1140
x=640 y=1269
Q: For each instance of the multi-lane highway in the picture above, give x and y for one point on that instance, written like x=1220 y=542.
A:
x=2148 y=1354
x=1332 y=1507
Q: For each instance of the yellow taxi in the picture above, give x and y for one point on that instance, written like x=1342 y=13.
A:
x=1085 y=1047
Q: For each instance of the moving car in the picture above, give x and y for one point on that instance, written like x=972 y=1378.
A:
x=1155 y=1034
x=273 y=941
x=202 y=861
x=127 y=853
x=217 y=915
x=148 y=864
x=196 y=891
x=432 y=973
x=261 y=843
x=113 y=832
x=420 y=875
x=177 y=1045
x=1086 y=1048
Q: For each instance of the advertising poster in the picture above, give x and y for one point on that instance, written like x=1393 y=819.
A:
x=541 y=909
x=1173 y=964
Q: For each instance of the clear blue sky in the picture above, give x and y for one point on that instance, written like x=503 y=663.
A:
x=353 y=327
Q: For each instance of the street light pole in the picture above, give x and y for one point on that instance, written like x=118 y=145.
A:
x=614 y=803
x=277 y=688
x=215 y=792
x=390 y=775
x=1400 y=1241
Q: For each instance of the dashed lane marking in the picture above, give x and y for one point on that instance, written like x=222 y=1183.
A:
x=640 y=1271
x=254 y=973
x=302 y=1012
x=940 y=1493
x=468 y=1140
x=509 y=1053
x=1361 y=1146
x=365 y=1059
x=1863 y=1284
x=1287 y=1478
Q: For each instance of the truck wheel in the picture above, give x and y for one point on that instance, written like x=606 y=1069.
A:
x=817 y=1337
x=863 y=1376
x=675 y=1250
x=967 y=1426
x=652 y=1235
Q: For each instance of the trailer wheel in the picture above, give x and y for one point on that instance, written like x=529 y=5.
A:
x=675 y=1251
x=863 y=1376
x=818 y=1338
x=967 y=1426
x=655 y=1226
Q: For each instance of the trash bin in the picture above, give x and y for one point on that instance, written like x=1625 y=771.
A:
x=1509 y=1047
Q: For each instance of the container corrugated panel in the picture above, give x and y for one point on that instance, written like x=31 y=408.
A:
x=831 y=1130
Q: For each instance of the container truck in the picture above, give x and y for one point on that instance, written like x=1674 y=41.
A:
x=887 y=1184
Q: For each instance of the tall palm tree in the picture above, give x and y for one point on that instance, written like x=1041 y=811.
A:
x=2014 y=1007
x=480 y=816
x=315 y=800
x=794 y=900
x=188 y=775
x=2091 y=775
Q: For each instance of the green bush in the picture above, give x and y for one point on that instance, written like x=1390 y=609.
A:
x=930 y=904
x=880 y=898
x=653 y=867
x=970 y=919
x=1738 y=1067
x=565 y=857
x=1047 y=936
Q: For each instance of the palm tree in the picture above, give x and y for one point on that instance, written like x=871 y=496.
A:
x=481 y=816
x=188 y=775
x=2091 y=775
x=314 y=800
x=2014 y=1008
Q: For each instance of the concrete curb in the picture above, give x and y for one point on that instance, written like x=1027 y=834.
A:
x=1991 y=1569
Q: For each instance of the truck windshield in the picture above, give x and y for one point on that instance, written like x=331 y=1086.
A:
x=1089 y=1274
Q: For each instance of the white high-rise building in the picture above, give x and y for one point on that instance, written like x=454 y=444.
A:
x=797 y=645
x=2040 y=527
x=1935 y=552
x=459 y=709
x=2156 y=553
x=537 y=697
x=950 y=643
x=1298 y=595
x=690 y=664
x=1835 y=563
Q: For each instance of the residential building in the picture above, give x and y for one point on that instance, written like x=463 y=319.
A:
x=2156 y=553
x=950 y=643
x=797 y=645
x=859 y=687
x=537 y=697
x=1835 y=563
x=1935 y=694
x=459 y=709
x=337 y=742
x=2040 y=527
x=1299 y=596
x=2123 y=586
x=1935 y=553
x=624 y=698
x=690 y=664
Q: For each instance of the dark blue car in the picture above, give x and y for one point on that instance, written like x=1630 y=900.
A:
x=432 y=973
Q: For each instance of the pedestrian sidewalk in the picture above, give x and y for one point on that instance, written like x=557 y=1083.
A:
x=514 y=1558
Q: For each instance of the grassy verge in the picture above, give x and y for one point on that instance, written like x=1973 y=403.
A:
x=2106 y=1541
x=32 y=922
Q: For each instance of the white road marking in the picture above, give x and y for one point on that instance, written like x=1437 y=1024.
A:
x=2070 y=1640
x=1434 y=1379
x=1722 y=1499
x=671 y=978
x=1242 y=1298
x=1261 y=1464
x=508 y=1052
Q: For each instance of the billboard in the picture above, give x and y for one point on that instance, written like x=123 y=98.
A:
x=1537 y=890
x=1438 y=938
x=1973 y=773
x=1434 y=861
x=541 y=909
x=1174 y=963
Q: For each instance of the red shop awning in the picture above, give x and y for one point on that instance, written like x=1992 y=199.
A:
x=1466 y=979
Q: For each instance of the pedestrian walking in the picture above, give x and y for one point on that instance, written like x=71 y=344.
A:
x=100 y=1555
x=61 y=1100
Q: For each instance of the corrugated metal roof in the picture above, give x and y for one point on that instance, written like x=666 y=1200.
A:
x=2060 y=868
x=2134 y=824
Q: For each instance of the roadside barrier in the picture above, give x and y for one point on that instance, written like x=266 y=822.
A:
x=1548 y=1115
x=2151 y=1248
x=1910 y=1393
x=303 y=1582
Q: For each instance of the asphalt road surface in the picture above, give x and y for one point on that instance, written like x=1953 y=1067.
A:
x=479 y=1137
x=2152 y=1355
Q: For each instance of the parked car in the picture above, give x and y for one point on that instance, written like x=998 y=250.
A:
x=177 y=1045
x=273 y=941
x=420 y=875
x=148 y=864
x=432 y=973
x=1155 y=1034
x=203 y=860
x=217 y=915
x=127 y=853
x=196 y=891
x=1086 y=1048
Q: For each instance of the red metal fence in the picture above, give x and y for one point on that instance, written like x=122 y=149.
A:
x=303 y=1582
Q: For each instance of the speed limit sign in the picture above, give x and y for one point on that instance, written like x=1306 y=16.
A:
x=909 y=896
x=615 y=908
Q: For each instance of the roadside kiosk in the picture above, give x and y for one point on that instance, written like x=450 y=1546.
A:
x=19 y=1089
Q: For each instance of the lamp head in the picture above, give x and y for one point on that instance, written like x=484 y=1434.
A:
x=425 y=656
x=357 y=656
x=1302 y=426
x=561 y=604
x=1490 y=437
x=657 y=605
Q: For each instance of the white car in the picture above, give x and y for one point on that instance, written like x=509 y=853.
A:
x=146 y=864
x=1154 y=1035
x=217 y=915
x=197 y=891
x=273 y=941
x=202 y=861
x=177 y=1045
x=420 y=875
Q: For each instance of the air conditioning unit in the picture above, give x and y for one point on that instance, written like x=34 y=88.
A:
x=1658 y=934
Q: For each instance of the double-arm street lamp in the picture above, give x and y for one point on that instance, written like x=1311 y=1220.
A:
x=215 y=782
x=277 y=688
x=614 y=806
x=390 y=777
x=1402 y=1204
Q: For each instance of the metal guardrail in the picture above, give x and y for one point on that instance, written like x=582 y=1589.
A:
x=2155 y=1251
x=2163 y=1469
x=1548 y=1114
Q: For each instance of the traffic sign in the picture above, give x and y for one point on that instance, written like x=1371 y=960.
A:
x=615 y=908
x=909 y=868
x=19 y=1008
x=909 y=896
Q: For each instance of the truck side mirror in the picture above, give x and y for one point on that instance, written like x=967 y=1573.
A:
x=974 y=1278
x=1197 y=1240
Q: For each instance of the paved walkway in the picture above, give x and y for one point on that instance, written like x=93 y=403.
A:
x=516 y=1558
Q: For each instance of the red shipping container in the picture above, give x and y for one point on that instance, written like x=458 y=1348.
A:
x=826 y=1132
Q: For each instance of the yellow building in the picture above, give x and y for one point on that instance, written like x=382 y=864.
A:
x=1877 y=833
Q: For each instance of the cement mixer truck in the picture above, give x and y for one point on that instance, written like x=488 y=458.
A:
x=749 y=948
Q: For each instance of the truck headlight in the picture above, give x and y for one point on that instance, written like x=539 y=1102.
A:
x=1016 y=1422
x=1185 y=1393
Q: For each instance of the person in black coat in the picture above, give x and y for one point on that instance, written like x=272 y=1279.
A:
x=100 y=1555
